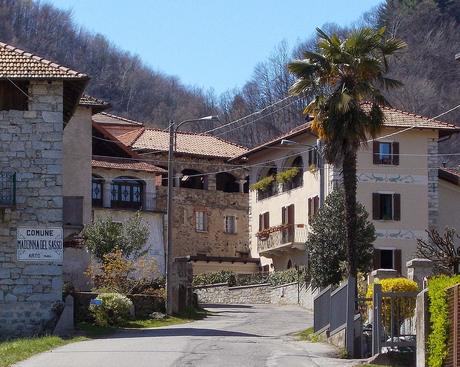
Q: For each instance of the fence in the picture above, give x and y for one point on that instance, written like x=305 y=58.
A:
x=453 y=341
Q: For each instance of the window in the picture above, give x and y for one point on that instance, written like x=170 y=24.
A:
x=230 y=224
x=312 y=157
x=313 y=206
x=387 y=259
x=201 y=221
x=386 y=153
x=126 y=193
x=264 y=221
x=386 y=206
x=288 y=219
x=13 y=97
x=96 y=191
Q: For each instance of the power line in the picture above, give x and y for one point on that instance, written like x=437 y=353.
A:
x=20 y=89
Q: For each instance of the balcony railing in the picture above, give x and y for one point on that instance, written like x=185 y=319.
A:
x=7 y=189
x=281 y=236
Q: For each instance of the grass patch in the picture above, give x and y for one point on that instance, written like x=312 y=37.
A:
x=308 y=335
x=17 y=350
x=149 y=323
x=371 y=365
x=94 y=331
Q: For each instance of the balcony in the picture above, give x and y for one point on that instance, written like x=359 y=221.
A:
x=7 y=189
x=281 y=238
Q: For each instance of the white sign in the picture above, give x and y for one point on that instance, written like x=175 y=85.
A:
x=40 y=244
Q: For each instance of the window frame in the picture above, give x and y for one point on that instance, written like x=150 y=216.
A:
x=233 y=226
x=116 y=188
x=377 y=212
x=393 y=155
x=201 y=224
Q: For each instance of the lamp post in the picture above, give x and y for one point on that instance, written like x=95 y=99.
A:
x=320 y=163
x=173 y=128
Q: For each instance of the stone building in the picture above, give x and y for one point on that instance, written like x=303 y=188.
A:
x=210 y=195
x=37 y=101
x=397 y=183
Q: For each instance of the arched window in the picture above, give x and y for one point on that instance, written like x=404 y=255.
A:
x=226 y=182
x=97 y=190
x=271 y=188
x=193 y=179
x=297 y=180
x=127 y=192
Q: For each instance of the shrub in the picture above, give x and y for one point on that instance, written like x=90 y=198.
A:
x=113 y=311
x=405 y=306
x=222 y=276
x=287 y=175
x=263 y=184
x=439 y=318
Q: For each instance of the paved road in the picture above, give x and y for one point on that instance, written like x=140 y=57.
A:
x=240 y=336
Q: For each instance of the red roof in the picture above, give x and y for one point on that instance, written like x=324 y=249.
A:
x=124 y=164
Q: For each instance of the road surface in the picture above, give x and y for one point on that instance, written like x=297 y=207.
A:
x=240 y=336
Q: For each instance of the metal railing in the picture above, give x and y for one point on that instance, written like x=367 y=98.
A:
x=278 y=236
x=7 y=189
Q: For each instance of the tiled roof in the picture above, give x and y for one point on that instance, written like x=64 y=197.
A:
x=107 y=118
x=124 y=164
x=450 y=174
x=18 y=64
x=97 y=105
x=393 y=118
x=188 y=143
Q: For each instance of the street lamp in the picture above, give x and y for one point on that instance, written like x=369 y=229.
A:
x=173 y=128
x=320 y=163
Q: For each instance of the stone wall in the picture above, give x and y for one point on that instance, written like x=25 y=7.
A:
x=31 y=146
x=217 y=204
x=286 y=294
x=433 y=183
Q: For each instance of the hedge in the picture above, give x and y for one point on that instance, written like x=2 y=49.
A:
x=439 y=318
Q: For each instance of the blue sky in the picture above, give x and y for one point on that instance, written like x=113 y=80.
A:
x=209 y=43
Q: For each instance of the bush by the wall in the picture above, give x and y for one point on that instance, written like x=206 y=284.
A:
x=114 y=309
x=222 y=276
x=439 y=318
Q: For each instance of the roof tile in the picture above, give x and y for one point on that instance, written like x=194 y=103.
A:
x=124 y=164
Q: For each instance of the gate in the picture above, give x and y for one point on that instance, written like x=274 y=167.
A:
x=393 y=325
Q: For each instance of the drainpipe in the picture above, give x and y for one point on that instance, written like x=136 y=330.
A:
x=319 y=145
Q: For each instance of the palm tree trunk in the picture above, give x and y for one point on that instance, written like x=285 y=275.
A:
x=349 y=184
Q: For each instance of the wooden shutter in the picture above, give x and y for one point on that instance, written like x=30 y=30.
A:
x=261 y=222
x=376 y=206
x=205 y=221
x=309 y=208
x=397 y=261
x=396 y=206
x=266 y=220
x=315 y=205
x=395 y=153
x=290 y=215
x=376 y=152
x=283 y=215
x=377 y=264
x=310 y=158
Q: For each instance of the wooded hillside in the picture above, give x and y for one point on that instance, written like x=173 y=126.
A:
x=427 y=68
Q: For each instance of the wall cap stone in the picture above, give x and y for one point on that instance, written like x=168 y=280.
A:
x=248 y=286
x=201 y=286
x=425 y=263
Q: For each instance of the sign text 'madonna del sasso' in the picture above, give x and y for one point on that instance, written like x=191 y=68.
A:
x=39 y=244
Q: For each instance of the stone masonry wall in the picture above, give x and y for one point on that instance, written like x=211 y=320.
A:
x=31 y=146
x=286 y=294
x=433 y=183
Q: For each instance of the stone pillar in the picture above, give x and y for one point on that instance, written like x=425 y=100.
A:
x=418 y=270
x=433 y=193
x=382 y=274
x=149 y=195
x=212 y=182
x=242 y=183
x=422 y=327
x=107 y=194
x=177 y=179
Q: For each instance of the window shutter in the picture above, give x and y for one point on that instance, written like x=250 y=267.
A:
x=396 y=206
x=309 y=208
x=376 y=152
x=261 y=222
x=283 y=215
x=397 y=261
x=205 y=221
x=290 y=218
x=266 y=220
x=310 y=157
x=395 y=152
x=376 y=259
x=315 y=205
x=376 y=206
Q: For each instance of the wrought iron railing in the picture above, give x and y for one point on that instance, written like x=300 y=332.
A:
x=284 y=234
x=7 y=189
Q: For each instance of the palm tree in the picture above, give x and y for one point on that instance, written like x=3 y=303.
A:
x=348 y=76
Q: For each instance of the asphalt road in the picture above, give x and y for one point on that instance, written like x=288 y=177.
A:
x=240 y=336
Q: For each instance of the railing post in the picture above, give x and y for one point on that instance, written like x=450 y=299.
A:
x=376 y=322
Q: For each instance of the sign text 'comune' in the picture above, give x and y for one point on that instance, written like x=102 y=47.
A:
x=40 y=244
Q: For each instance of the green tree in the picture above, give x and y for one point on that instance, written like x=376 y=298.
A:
x=345 y=73
x=104 y=236
x=327 y=241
